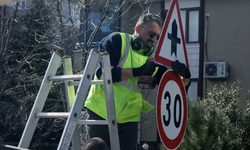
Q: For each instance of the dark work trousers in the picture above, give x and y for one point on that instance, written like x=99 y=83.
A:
x=127 y=132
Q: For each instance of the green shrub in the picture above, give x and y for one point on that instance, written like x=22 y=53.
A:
x=217 y=123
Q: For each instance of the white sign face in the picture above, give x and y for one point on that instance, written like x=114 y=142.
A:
x=171 y=45
x=171 y=110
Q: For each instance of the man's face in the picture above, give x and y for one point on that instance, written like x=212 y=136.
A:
x=149 y=33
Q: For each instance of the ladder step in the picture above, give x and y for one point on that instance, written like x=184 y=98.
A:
x=66 y=115
x=92 y=82
x=72 y=77
x=65 y=77
x=93 y=122
x=52 y=115
x=10 y=147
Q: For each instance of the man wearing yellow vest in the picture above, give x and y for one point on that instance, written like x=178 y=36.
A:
x=128 y=57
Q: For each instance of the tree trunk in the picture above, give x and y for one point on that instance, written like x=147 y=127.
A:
x=4 y=43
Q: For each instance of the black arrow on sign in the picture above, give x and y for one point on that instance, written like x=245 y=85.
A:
x=174 y=39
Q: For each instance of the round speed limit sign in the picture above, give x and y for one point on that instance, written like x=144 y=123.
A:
x=171 y=110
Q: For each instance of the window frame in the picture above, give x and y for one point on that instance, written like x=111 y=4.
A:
x=187 y=11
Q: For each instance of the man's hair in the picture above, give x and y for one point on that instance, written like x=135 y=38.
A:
x=95 y=144
x=149 y=17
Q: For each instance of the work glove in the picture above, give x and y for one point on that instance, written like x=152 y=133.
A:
x=147 y=69
x=181 y=69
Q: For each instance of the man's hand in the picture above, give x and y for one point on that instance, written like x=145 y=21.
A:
x=181 y=69
x=147 y=69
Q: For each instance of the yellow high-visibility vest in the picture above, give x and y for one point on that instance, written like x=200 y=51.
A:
x=129 y=102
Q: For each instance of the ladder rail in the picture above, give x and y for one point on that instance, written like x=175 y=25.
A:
x=39 y=102
x=110 y=103
x=79 y=101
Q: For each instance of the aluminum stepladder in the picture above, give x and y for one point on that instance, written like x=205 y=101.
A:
x=81 y=95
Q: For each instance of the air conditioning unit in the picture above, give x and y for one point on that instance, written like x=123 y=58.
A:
x=218 y=69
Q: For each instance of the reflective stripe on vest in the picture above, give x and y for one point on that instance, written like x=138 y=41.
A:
x=126 y=50
x=126 y=83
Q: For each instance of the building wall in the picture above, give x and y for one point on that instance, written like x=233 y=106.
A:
x=228 y=39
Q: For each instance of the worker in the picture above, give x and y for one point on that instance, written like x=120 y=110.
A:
x=95 y=143
x=128 y=58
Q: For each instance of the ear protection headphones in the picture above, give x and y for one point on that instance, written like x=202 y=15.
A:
x=137 y=44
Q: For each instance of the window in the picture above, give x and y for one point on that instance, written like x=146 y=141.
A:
x=192 y=25
x=192 y=91
x=109 y=25
x=21 y=5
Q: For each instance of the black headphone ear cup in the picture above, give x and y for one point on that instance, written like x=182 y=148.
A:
x=136 y=43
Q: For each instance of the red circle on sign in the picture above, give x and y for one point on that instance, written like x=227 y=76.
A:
x=170 y=143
